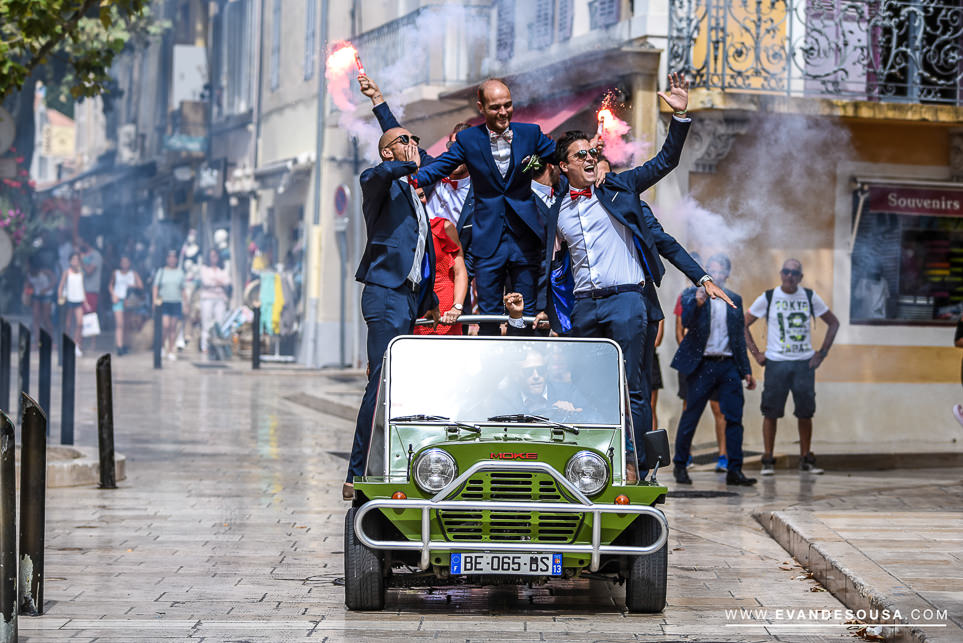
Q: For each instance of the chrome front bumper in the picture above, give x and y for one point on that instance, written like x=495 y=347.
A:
x=440 y=502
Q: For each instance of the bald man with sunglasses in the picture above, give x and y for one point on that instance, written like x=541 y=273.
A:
x=397 y=269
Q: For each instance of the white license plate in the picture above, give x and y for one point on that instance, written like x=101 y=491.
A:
x=522 y=564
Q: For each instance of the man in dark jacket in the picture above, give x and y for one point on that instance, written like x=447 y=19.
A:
x=397 y=269
x=603 y=248
x=713 y=357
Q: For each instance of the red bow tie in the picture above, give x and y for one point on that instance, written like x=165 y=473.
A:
x=452 y=182
x=575 y=194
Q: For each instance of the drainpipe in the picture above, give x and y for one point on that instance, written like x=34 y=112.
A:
x=309 y=339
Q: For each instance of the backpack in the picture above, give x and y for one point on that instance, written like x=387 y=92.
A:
x=809 y=297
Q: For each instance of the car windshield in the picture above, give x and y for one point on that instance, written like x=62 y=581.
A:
x=473 y=379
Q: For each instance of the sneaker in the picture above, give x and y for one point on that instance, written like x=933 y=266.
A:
x=768 y=466
x=689 y=463
x=172 y=357
x=808 y=464
x=722 y=464
x=958 y=413
x=78 y=352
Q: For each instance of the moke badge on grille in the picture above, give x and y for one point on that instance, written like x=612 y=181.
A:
x=513 y=456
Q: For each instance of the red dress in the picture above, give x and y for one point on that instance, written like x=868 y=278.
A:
x=445 y=252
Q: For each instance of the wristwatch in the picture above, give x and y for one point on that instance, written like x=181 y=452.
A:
x=704 y=279
x=458 y=307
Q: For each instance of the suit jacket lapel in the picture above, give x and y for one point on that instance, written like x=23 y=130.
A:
x=608 y=199
x=484 y=142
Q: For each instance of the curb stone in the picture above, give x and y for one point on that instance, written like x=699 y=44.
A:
x=859 y=583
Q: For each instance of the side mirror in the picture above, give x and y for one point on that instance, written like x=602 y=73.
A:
x=657 y=449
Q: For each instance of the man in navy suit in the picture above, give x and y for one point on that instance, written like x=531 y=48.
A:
x=603 y=248
x=507 y=236
x=397 y=269
x=713 y=357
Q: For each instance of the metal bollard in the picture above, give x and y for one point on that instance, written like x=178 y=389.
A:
x=4 y=365
x=33 y=489
x=23 y=346
x=43 y=373
x=67 y=384
x=105 y=423
x=8 y=530
x=256 y=339
x=158 y=337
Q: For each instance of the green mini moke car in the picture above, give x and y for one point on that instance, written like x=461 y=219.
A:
x=502 y=460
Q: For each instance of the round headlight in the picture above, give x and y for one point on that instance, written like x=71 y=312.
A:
x=434 y=469
x=587 y=471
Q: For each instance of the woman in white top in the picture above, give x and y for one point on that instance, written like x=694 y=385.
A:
x=72 y=298
x=42 y=283
x=214 y=284
x=120 y=281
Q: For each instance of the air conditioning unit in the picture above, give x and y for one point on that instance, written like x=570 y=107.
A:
x=128 y=148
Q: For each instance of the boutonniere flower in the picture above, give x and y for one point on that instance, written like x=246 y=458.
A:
x=532 y=163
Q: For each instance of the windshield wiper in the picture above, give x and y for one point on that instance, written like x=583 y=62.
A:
x=421 y=417
x=540 y=419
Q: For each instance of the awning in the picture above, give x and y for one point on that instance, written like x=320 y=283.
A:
x=548 y=114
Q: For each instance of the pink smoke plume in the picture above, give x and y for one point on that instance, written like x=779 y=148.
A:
x=341 y=69
x=618 y=149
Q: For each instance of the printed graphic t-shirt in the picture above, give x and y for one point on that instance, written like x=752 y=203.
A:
x=790 y=323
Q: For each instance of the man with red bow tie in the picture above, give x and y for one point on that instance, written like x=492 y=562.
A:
x=603 y=248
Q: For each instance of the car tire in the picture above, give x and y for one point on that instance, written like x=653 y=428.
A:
x=645 y=586
x=364 y=580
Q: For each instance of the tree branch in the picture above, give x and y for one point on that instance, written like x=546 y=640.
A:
x=41 y=53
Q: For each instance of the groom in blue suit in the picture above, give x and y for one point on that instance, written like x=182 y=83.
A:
x=507 y=233
x=712 y=357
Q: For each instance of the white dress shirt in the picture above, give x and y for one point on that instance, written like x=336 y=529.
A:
x=447 y=202
x=501 y=149
x=544 y=192
x=602 y=249
x=414 y=275
x=718 y=342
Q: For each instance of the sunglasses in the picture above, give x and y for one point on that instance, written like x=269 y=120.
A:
x=791 y=273
x=529 y=371
x=405 y=139
x=584 y=154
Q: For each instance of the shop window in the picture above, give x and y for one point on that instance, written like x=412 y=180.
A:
x=907 y=256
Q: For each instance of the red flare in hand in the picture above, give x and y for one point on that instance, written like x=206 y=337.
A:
x=604 y=115
x=357 y=61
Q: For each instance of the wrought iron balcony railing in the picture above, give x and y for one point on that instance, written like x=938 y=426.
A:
x=876 y=50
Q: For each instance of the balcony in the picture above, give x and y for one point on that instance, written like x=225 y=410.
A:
x=440 y=46
x=883 y=51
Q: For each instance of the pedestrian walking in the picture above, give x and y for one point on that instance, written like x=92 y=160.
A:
x=397 y=269
x=718 y=418
x=121 y=281
x=655 y=375
x=214 y=283
x=39 y=295
x=789 y=359
x=712 y=357
x=169 y=296
x=73 y=298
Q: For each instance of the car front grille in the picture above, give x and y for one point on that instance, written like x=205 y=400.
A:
x=502 y=526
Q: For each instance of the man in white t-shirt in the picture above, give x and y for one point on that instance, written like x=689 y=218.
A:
x=789 y=359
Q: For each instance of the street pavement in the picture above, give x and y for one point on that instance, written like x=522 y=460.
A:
x=229 y=528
